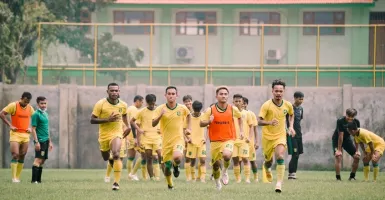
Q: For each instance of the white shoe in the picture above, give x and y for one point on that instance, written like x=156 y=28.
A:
x=133 y=177
x=247 y=180
x=14 y=180
x=225 y=178
x=278 y=187
x=106 y=179
x=218 y=184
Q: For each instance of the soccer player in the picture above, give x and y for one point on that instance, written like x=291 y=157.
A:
x=172 y=117
x=272 y=116
x=295 y=145
x=148 y=136
x=375 y=147
x=41 y=138
x=132 y=141
x=187 y=101
x=222 y=134
x=341 y=139
x=253 y=144
x=196 y=147
x=241 y=146
x=109 y=113
x=110 y=162
x=21 y=113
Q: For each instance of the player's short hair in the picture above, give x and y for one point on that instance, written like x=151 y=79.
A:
x=221 y=88
x=26 y=95
x=351 y=112
x=40 y=98
x=237 y=96
x=197 y=106
x=171 y=87
x=187 y=97
x=298 y=94
x=150 y=98
x=112 y=84
x=352 y=126
x=245 y=100
x=278 y=82
x=138 y=98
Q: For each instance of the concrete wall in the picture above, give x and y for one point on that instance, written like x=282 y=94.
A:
x=75 y=139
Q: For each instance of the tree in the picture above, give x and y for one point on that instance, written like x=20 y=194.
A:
x=19 y=33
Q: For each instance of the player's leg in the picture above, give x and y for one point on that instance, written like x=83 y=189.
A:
x=20 y=162
x=192 y=168
x=227 y=153
x=177 y=159
x=366 y=160
x=43 y=156
x=143 y=164
x=337 y=160
x=202 y=163
x=108 y=168
x=376 y=158
x=253 y=163
x=280 y=151
x=188 y=158
x=118 y=165
x=150 y=169
x=268 y=151
x=131 y=153
x=216 y=156
x=245 y=159
x=167 y=154
x=350 y=148
x=156 y=166
x=14 y=147
x=236 y=165
x=293 y=149
x=39 y=156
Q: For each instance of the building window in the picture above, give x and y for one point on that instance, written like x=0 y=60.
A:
x=85 y=17
x=324 y=18
x=185 y=18
x=133 y=17
x=247 y=18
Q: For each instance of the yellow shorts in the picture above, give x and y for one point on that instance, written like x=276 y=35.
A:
x=380 y=149
x=268 y=146
x=196 y=151
x=153 y=144
x=252 y=152
x=241 y=149
x=131 y=143
x=20 y=138
x=105 y=145
x=216 y=149
x=168 y=153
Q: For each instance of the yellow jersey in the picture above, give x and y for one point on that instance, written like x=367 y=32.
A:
x=104 y=109
x=197 y=132
x=247 y=122
x=270 y=111
x=131 y=112
x=171 y=123
x=255 y=123
x=366 y=137
x=144 y=119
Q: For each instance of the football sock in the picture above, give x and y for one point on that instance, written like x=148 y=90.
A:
x=366 y=171
x=247 y=172
x=129 y=164
x=187 y=168
x=109 y=169
x=20 y=165
x=237 y=172
x=376 y=170
x=118 y=165
x=280 y=170
x=13 y=168
x=202 y=168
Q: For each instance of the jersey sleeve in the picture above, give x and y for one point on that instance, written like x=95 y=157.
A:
x=157 y=112
x=301 y=113
x=34 y=120
x=10 y=108
x=358 y=123
x=340 y=126
x=138 y=117
x=249 y=119
x=97 y=109
x=236 y=112
x=365 y=138
x=206 y=114
x=32 y=110
x=255 y=121
x=357 y=140
x=290 y=108
x=124 y=111
x=186 y=111
x=263 y=111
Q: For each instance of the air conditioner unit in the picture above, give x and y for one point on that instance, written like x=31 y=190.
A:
x=273 y=56
x=184 y=53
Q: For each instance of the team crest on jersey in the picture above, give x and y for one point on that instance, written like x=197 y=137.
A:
x=285 y=112
x=42 y=153
x=120 y=110
x=178 y=113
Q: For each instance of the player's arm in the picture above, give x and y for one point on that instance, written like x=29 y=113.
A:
x=340 y=135
x=4 y=118
x=159 y=113
x=207 y=119
x=238 y=114
x=362 y=146
x=370 y=144
x=11 y=108
x=262 y=116
x=188 y=120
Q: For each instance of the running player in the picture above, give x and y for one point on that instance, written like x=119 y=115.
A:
x=272 y=116
x=132 y=141
x=196 y=147
x=374 y=150
x=148 y=136
x=187 y=101
x=41 y=138
x=253 y=144
x=171 y=117
x=241 y=146
x=21 y=113
x=341 y=139
x=222 y=134
x=110 y=162
x=109 y=113
x=295 y=145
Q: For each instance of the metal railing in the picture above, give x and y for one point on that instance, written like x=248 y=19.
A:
x=209 y=69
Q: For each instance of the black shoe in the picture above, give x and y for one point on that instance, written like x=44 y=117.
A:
x=352 y=179
x=115 y=186
x=170 y=187
x=176 y=171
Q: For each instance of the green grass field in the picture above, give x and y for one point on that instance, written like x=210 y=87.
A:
x=89 y=184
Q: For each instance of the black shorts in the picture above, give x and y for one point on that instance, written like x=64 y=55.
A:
x=347 y=145
x=294 y=145
x=43 y=153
